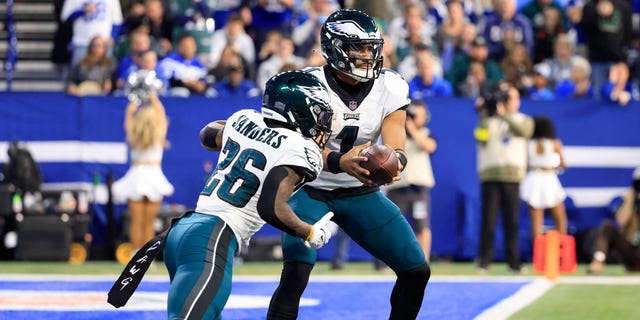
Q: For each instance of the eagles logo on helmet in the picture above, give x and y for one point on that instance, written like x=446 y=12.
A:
x=350 y=30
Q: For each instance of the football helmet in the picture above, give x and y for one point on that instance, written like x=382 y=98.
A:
x=300 y=101
x=345 y=36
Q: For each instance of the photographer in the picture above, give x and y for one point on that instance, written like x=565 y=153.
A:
x=621 y=236
x=501 y=136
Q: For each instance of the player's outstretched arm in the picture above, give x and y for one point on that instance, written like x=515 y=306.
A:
x=211 y=135
x=273 y=207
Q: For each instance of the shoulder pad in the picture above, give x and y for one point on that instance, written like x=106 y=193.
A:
x=395 y=85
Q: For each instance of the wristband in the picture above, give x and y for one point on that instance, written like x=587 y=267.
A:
x=333 y=162
x=402 y=158
x=310 y=235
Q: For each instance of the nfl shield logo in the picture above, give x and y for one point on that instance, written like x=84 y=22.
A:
x=353 y=104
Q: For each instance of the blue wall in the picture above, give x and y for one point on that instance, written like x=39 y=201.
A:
x=55 y=116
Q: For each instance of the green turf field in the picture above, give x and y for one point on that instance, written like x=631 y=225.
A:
x=568 y=299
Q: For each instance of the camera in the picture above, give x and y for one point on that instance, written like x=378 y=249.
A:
x=490 y=96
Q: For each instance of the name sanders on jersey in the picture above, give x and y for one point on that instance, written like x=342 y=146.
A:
x=252 y=131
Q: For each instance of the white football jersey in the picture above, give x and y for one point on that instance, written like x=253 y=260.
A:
x=355 y=124
x=108 y=13
x=250 y=150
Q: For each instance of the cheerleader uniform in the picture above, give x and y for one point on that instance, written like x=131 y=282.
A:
x=541 y=187
x=144 y=178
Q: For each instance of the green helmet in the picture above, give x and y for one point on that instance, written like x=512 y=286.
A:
x=351 y=30
x=300 y=101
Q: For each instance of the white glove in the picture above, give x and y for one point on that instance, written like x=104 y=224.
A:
x=320 y=233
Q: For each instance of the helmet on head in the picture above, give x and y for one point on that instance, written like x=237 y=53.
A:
x=352 y=30
x=300 y=101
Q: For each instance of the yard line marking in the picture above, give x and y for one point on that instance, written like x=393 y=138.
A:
x=523 y=297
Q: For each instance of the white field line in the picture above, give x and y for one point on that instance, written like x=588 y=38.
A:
x=523 y=297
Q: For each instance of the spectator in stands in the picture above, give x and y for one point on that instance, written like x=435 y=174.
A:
x=478 y=52
x=517 y=68
x=306 y=34
x=235 y=85
x=426 y=84
x=545 y=37
x=228 y=58
x=92 y=74
x=194 y=17
x=269 y=47
x=408 y=67
x=60 y=54
x=147 y=60
x=160 y=26
x=621 y=235
x=225 y=9
x=184 y=70
x=411 y=193
x=615 y=90
x=579 y=85
x=539 y=88
x=139 y=43
x=475 y=82
x=465 y=40
x=607 y=27
x=268 y=15
x=232 y=36
x=389 y=56
x=125 y=47
x=284 y=55
x=541 y=188
x=573 y=11
x=416 y=31
x=133 y=12
x=506 y=18
x=144 y=184
x=502 y=134
x=449 y=32
x=559 y=65
x=91 y=18
x=548 y=19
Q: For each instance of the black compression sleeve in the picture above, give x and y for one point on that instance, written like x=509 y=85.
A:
x=208 y=137
x=267 y=200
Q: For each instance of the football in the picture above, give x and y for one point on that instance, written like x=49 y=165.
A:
x=382 y=163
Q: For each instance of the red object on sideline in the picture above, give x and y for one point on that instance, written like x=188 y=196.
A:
x=567 y=251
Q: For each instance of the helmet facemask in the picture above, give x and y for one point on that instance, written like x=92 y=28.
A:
x=361 y=59
x=317 y=128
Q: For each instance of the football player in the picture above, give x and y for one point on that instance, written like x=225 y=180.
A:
x=264 y=158
x=368 y=101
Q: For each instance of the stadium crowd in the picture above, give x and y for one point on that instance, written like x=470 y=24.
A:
x=548 y=49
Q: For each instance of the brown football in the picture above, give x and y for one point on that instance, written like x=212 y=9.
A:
x=382 y=163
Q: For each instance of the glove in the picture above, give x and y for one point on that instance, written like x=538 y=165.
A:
x=320 y=233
